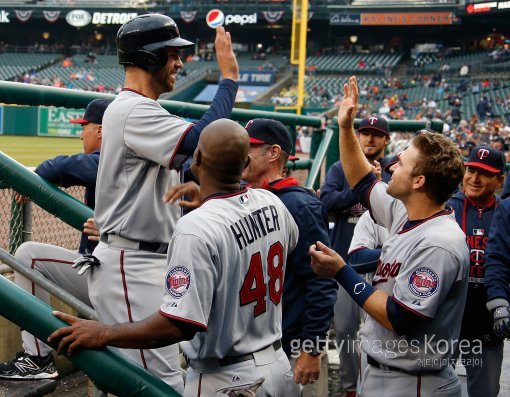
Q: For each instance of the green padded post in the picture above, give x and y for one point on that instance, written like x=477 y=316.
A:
x=111 y=372
x=36 y=95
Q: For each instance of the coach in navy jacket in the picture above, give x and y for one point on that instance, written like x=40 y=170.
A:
x=475 y=207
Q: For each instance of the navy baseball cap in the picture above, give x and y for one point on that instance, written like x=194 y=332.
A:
x=94 y=112
x=271 y=132
x=375 y=123
x=487 y=158
x=393 y=161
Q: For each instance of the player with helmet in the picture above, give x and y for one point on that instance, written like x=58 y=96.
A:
x=143 y=149
x=224 y=282
x=416 y=300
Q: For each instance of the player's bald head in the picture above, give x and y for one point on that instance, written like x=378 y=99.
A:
x=224 y=147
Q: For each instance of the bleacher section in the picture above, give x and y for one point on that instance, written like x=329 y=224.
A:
x=431 y=61
x=15 y=64
x=354 y=63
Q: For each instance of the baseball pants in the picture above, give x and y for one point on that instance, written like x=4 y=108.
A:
x=128 y=287
x=346 y=322
x=54 y=263
x=377 y=382
x=273 y=366
x=483 y=371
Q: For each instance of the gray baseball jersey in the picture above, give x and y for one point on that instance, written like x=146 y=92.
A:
x=425 y=269
x=367 y=234
x=225 y=273
x=138 y=151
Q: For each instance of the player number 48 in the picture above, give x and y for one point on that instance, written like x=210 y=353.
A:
x=254 y=289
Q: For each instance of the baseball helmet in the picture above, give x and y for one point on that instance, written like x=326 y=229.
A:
x=141 y=41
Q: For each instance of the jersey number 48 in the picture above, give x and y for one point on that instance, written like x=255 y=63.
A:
x=254 y=288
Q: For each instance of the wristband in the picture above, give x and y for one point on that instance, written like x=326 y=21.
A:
x=354 y=284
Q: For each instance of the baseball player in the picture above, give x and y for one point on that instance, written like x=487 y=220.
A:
x=145 y=146
x=54 y=263
x=308 y=300
x=416 y=299
x=497 y=270
x=337 y=196
x=224 y=281
x=474 y=209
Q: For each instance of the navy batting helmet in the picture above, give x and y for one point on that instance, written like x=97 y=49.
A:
x=142 y=41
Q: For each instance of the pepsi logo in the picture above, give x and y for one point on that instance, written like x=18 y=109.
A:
x=215 y=18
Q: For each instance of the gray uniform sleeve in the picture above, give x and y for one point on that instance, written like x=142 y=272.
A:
x=367 y=234
x=190 y=280
x=166 y=131
x=426 y=279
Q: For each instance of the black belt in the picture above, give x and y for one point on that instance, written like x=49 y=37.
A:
x=229 y=360
x=371 y=361
x=140 y=245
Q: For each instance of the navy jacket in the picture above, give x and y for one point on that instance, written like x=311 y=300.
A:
x=340 y=200
x=308 y=300
x=497 y=258
x=76 y=170
x=476 y=222
x=506 y=187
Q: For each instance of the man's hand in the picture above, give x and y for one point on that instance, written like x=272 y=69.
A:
x=501 y=316
x=349 y=104
x=225 y=56
x=81 y=334
x=325 y=261
x=377 y=170
x=189 y=189
x=90 y=228
x=307 y=369
x=19 y=198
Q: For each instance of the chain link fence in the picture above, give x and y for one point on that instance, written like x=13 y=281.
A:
x=22 y=222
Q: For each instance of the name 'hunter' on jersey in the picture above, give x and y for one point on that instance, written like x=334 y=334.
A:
x=255 y=225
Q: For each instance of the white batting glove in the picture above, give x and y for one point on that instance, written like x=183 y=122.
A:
x=85 y=262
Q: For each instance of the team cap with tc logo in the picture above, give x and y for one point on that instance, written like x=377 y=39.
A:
x=269 y=131
x=487 y=158
x=375 y=123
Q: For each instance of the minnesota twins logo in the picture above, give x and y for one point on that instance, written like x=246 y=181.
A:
x=482 y=153
x=372 y=120
x=178 y=281
x=423 y=282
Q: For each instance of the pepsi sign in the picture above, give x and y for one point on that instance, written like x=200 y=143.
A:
x=215 y=18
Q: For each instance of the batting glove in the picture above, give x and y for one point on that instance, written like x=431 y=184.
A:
x=85 y=263
x=501 y=317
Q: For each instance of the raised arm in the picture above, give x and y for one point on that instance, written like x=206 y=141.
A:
x=354 y=162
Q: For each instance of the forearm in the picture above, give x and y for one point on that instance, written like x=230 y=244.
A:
x=371 y=300
x=153 y=332
x=354 y=162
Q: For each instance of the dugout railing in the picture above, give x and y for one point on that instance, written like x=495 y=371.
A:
x=53 y=202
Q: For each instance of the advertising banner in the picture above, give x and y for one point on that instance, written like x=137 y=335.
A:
x=408 y=18
x=55 y=122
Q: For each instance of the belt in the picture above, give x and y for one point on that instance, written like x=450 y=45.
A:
x=371 y=361
x=229 y=360
x=125 y=243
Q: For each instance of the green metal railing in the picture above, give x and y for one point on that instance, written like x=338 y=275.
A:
x=110 y=371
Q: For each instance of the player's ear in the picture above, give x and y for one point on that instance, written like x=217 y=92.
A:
x=99 y=132
x=197 y=158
